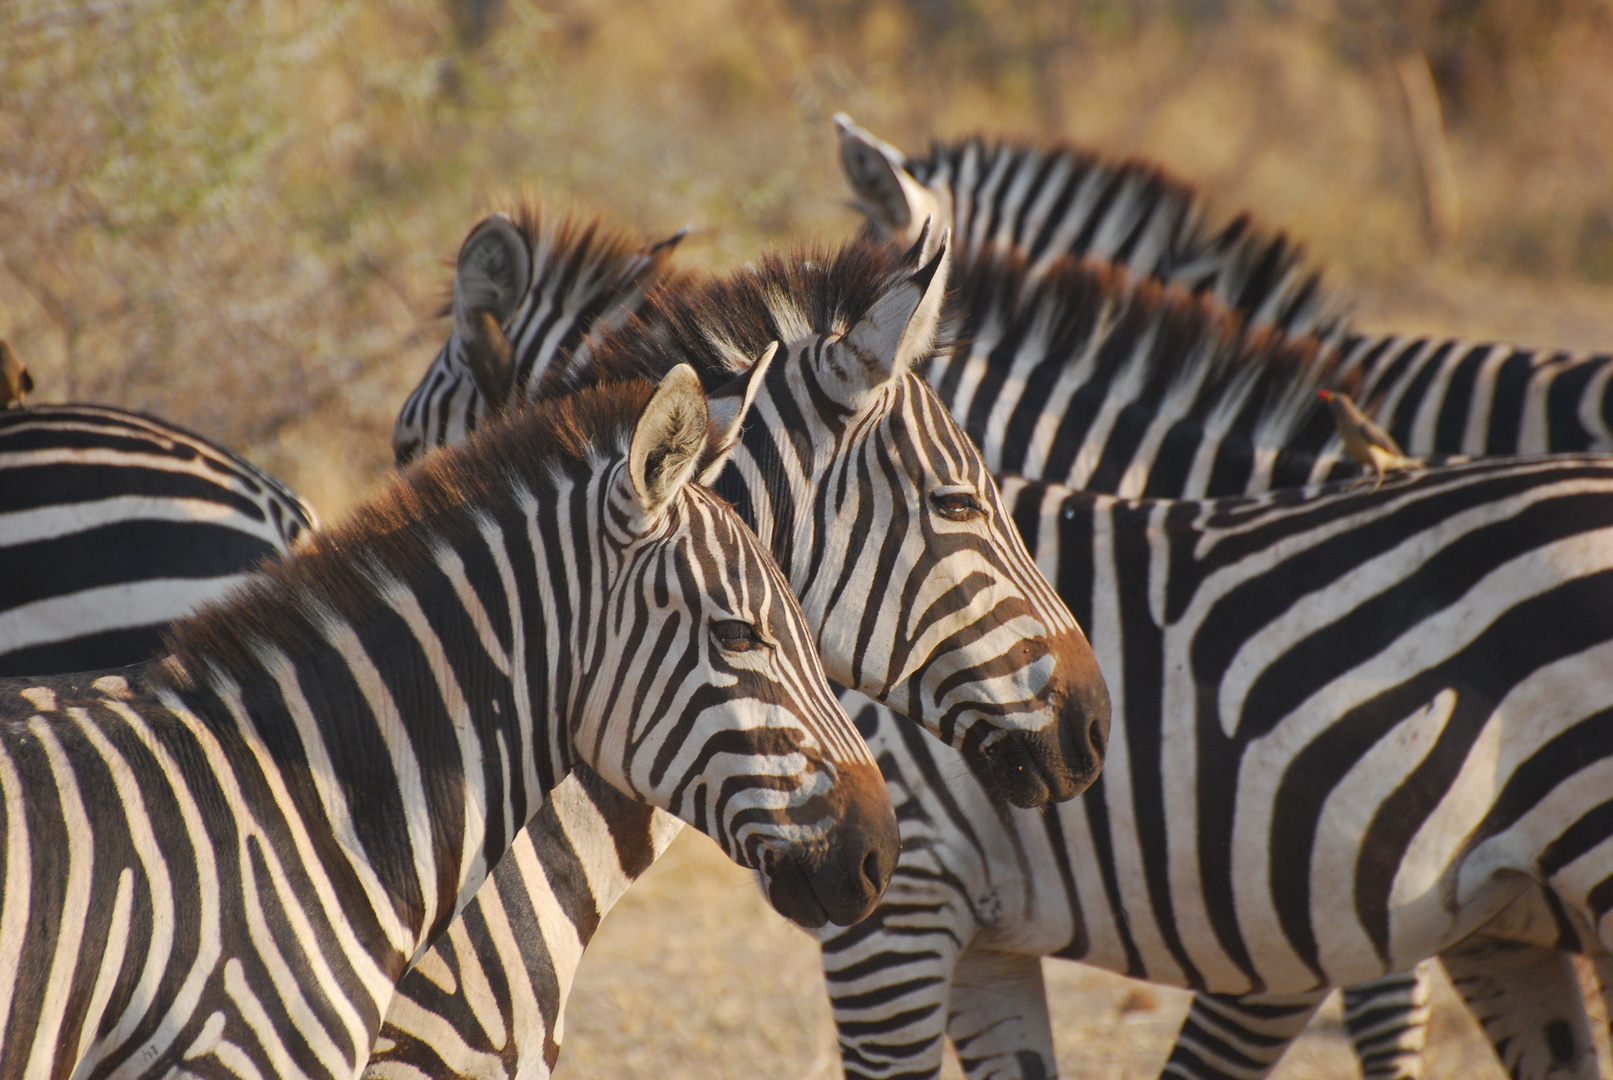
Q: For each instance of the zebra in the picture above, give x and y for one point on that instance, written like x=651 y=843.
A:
x=1067 y=201
x=1119 y=386
x=1436 y=395
x=1046 y=346
x=843 y=438
x=221 y=861
x=112 y=524
x=1350 y=728
x=541 y=286
x=1085 y=377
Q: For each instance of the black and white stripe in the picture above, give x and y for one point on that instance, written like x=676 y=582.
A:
x=1087 y=377
x=220 y=863
x=1064 y=201
x=1350 y=728
x=845 y=444
x=546 y=284
x=112 y=524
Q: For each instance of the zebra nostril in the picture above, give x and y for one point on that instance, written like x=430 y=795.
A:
x=1095 y=738
x=872 y=871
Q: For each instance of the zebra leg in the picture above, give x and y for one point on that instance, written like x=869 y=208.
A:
x=998 y=1017
x=889 y=985
x=1529 y=1000
x=1238 y=1038
x=1387 y=1020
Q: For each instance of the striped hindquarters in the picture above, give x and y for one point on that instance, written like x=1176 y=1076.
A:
x=113 y=524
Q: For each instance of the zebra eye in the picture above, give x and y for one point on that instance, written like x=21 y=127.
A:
x=737 y=635
x=957 y=506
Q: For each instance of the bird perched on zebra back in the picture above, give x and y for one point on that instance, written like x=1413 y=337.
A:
x=15 y=382
x=1368 y=445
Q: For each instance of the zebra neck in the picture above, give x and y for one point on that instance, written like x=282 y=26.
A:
x=417 y=730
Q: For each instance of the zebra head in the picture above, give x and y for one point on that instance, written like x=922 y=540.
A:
x=880 y=511
x=895 y=202
x=525 y=289
x=702 y=692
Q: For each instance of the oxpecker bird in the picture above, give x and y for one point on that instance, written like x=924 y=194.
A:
x=1368 y=445
x=15 y=382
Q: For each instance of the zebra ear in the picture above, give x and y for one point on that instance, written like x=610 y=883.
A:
x=667 y=442
x=900 y=329
x=493 y=272
x=490 y=358
x=729 y=405
x=894 y=201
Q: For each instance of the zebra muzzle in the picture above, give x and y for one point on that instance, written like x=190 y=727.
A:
x=841 y=879
x=1061 y=759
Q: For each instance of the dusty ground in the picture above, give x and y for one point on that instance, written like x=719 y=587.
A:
x=692 y=975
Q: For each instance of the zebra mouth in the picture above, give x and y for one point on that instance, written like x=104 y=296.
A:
x=841 y=879
x=1026 y=768
x=790 y=892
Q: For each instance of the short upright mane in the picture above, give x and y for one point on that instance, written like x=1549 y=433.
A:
x=395 y=533
x=720 y=325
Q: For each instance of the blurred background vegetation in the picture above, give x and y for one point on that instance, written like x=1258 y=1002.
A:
x=239 y=214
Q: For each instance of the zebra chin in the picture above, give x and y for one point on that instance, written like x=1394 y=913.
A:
x=1060 y=759
x=840 y=876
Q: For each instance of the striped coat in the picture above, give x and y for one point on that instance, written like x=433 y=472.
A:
x=221 y=862
x=112 y=524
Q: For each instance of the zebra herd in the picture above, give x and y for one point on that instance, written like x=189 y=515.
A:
x=1035 y=470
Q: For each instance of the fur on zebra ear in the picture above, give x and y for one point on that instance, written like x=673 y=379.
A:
x=891 y=197
x=900 y=329
x=668 y=439
x=490 y=357
x=728 y=406
x=493 y=272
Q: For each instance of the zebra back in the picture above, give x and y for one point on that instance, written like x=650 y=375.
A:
x=1086 y=375
x=528 y=288
x=1064 y=200
x=112 y=524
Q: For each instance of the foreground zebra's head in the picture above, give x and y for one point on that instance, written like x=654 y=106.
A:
x=573 y=593
x=525 y=290
x=877 y=506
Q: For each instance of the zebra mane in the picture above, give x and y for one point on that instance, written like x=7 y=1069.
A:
x=393 y=536
x=720 y=325
x=583 y=246
x=1162 y=342
x=1261 y=272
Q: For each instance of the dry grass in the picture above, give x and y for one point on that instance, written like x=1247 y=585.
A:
x=237 y=214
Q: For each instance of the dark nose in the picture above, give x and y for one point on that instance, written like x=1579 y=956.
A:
x=1062 y=759
x=851 y=870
